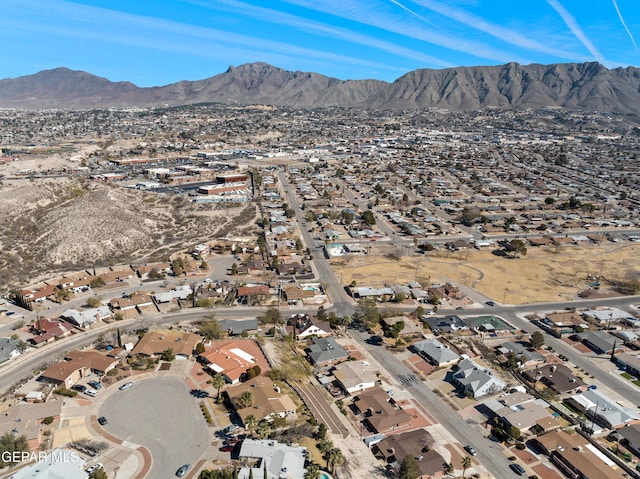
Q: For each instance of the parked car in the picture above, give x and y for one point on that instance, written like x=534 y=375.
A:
x=490 y=303
x=102 y=420
x=228 y=448
x=470 y=450
x=518 y=469
x=94 y=468
x=91 y=392
x=79 y=387
x=95 y=384
x=126 y=386
x=183 y=470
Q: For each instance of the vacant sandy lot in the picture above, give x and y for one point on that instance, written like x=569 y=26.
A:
x=544 y=274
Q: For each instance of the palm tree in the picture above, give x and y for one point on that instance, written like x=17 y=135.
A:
x=448 y=468
x=264 y=429
x=250 y=422
x=218 y=382
x=334 y=458
x=245 y=399
x=466 y=464
x=313 y=472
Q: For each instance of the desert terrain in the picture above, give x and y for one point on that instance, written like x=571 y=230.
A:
x=544 y=274
x=71 y=224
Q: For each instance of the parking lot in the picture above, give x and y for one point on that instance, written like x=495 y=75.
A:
x=160 y=414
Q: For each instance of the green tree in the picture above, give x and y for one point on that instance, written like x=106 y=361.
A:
x=98 y=474
x=93 y=302
x=334 y=458
x=200 y=348
x=322 y=314
x=518 y=247
x=313 y=472
x=321 y=433
x=250 y=422
x=409 y=468
x=234 y=269
x=272 y=316
x=537 y=340
x=466 y=464
x=10 y=443
x=264 y=429
x=167 y=355
x=246 y=399
x=210 y=329
x=369 y=218
x=218 y=382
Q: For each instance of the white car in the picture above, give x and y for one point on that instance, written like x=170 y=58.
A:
x=91 y=392
x=126 y=386
x=93 y=468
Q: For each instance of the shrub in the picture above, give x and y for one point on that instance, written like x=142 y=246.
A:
x=520 y=446
x=65 y=392
x=48 y=420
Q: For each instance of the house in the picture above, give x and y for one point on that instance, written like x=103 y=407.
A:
x=631 y=438
x=96 y=361
x=47 y=330
x=277 y=459
x=86 y=318
x=325 y=352
x=557 y=377
x=268 y=400
x=435 y=352
x=39 y=293
x=135 y=301
x=444 y=325
x=303 y=326
x=354 y=376
x=292 y=293
x=573 y=455
x=252 y=293
x=522 y=411
x=606 y=411
x=629 y=362
x=475 y=380
x=9 y=349
x=154 y=343
x=179 y=293
x=379 y=413
x=419 y=444
x=525 y=357
x=65 y=373
x=233 y=358
x=601 y=342
x=234 y=327
x=57 y=463
x=409 y=329
x=26 y=419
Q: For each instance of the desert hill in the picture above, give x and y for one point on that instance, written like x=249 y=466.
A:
x=585 y=86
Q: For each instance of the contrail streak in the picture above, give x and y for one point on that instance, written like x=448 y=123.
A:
x=615 y=4
x=573 y=26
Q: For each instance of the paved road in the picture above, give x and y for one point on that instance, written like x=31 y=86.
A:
x=160 y=414
x=321 y=409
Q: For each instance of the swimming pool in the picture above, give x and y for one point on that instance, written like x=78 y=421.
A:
x=324 y=475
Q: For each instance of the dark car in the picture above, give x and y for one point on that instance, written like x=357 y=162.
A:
x=79 y=387
x=228 y=448
x=518 y=469
x=490 y=303
x=95 y=384
x=460 y=308
x=183 y=470
x=470 y=450
x=102 y=420
x=125 y=386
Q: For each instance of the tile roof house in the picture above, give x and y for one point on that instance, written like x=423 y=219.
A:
x=326 y=351
x=279 y=460
x=47 y=330
x=154 y=343
x=268 y=401
x=418 y=443
x=65 y=373
x=96 y=361
x=476 y=380
x=435 y=352
x=232 y=358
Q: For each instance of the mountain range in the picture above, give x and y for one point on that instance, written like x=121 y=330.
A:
x=582 y=86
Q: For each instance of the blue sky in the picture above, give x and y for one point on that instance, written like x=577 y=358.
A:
x=163 y=41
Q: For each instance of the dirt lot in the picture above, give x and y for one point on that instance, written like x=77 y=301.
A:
x=544 y=274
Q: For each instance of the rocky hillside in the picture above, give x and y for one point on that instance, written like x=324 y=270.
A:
x=586 y=86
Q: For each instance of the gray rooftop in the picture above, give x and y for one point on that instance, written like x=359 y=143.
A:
x=282 y=461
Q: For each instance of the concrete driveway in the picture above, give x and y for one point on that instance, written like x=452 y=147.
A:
x=160 y=414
